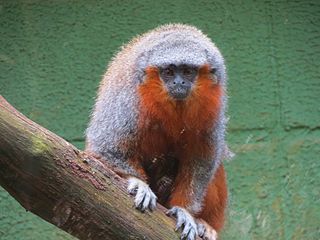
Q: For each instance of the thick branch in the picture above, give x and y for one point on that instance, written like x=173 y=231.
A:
x=68 y=188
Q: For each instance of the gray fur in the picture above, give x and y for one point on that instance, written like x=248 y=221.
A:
x=115 y=115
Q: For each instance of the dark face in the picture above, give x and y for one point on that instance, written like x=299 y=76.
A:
x=179 y=79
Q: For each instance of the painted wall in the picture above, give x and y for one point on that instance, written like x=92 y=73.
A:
x=53 y=53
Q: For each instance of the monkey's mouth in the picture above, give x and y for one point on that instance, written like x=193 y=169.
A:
x=179 y=93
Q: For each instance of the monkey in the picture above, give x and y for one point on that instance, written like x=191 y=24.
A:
x=160 y=120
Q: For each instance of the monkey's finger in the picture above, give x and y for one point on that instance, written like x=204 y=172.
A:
x=147 y=200
x=133 y=185
x=180 y=218
x=189 y=233
x=205 y=231
x=211 y=234
x=184 y=221
x=180 y=221
x=150 y=200
x=153 y=203
x=140 y=207
x=201 y=229
x=144 y=197
x=139 y=198
x=172 y=212
x=189 y=230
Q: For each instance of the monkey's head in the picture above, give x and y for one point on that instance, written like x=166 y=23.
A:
x=178 y=79
x=177 y=53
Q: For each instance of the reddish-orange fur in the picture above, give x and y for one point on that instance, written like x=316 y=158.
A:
x=181 y=129
x=196 y=112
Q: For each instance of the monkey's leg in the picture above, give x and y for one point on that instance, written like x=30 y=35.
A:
x=211 y=218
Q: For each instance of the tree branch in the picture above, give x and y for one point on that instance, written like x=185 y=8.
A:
x=69 y=188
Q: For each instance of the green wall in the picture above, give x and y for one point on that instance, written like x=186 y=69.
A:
x=53 y=53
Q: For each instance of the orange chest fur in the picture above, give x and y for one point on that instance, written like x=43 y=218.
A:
x=168 y=126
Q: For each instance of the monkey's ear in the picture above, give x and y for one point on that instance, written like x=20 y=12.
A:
x=213 y=75
x=213 y=70
x=143 y=75
x=140 y=75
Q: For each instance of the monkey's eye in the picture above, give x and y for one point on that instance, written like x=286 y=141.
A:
x=188 y=72
x=168 y=72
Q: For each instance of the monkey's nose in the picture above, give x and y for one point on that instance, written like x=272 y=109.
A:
x=179 y=81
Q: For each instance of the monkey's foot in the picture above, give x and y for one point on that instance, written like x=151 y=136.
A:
x=144 y=197
x=184 y=221
x=205 y=231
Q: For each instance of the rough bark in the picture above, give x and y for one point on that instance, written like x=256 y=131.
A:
x=69 y=188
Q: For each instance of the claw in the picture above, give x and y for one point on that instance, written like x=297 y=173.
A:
x=144 y=197
x=205 y=231
x=201 y=229
x=185 y=222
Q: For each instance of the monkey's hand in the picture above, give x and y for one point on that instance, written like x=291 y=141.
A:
x=185 y=222
x=144 y=197
x=205 y=231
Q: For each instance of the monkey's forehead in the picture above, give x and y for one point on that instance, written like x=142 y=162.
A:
x=178 y=45
x=169 y=44
x=180 y=52
x=175 y=54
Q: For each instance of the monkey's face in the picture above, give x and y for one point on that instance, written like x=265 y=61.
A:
x=178 y=79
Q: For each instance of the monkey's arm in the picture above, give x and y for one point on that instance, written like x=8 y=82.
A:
x=138 y=186
x=188 y=196
x=191 y=184
x=137 y=178
x=119 y=161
